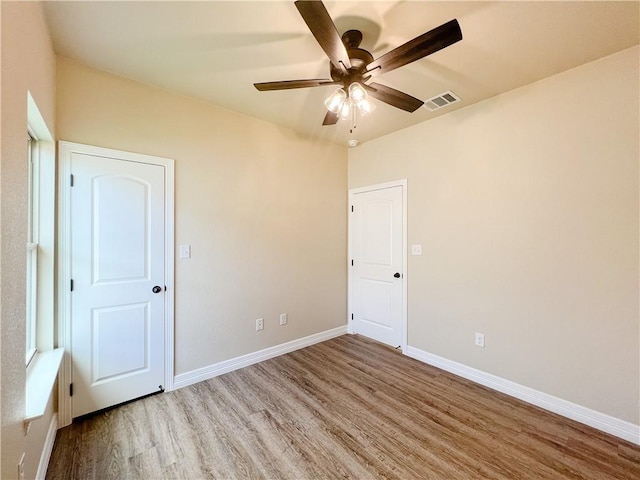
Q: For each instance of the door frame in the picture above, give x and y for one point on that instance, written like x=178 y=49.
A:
x=350 y=301
x=65 y=150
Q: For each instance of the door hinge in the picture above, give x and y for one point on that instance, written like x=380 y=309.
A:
x=71 y=180
x=71 y=389
x=352 y=208
x=71 y=284
x=352 y=316
x=352 y=262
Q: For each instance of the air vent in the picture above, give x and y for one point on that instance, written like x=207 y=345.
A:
x=441 y=100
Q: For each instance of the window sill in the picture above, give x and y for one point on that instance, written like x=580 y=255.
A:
x=41 y=377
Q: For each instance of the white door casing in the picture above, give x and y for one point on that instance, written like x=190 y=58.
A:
x=377 y=262
x=118 y=234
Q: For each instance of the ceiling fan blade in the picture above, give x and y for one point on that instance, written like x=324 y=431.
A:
x=288 y=84
x=330 y=118
x=394 y=97
x=315 y=15
x=426 y=44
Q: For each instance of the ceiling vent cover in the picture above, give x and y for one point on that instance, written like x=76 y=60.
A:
x=441 y=100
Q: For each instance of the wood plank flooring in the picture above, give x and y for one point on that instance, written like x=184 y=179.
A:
x=345 y=408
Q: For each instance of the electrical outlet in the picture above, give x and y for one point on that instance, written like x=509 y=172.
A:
x=21 y=467
x=259 y=324
x=283 y=319
x=479 y=340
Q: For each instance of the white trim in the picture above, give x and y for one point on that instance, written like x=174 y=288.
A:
x=226 y=366
x=37 y=126
x=64 y=295
x=606 y=423
x=47 y=448
x=32 y=281
x=65 y=149
x=169 y=262
x=43 y=234
x=380 y=186
x=41 y=378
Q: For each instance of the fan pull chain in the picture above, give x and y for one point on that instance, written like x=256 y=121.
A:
x=354 y=118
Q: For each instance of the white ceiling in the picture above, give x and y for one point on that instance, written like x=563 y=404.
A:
x=215 y=51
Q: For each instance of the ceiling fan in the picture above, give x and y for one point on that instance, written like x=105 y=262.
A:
x=352 y=67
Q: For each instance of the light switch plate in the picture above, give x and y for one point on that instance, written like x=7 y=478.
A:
x=416 y=249
x=185 y=251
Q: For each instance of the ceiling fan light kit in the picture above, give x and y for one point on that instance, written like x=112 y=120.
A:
x=350 y=104
x=352 y=67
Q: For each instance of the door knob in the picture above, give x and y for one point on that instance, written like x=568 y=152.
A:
x=396 y=275
x=156 y=289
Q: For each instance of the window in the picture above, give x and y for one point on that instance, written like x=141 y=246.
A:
x=32 y=248
x=42 y=358
x=40 y=248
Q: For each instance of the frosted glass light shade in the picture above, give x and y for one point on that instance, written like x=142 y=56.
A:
x=365 y=106
x=357 y=93
x=336 y=100
x=345 y=111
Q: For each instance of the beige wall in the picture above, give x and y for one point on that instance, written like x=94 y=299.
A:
x=28 y=63
x=527 y=208
x=263 y=209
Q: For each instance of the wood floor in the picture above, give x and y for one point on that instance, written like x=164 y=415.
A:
x=345 y=408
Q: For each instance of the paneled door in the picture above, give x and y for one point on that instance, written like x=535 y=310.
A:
x=117 y=257
x=377 y=258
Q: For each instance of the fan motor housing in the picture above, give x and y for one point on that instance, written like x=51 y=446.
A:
x=358 y=57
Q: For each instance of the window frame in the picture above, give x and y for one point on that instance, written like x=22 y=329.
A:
x=42 y=370
x=40 y=248
x=31 y=321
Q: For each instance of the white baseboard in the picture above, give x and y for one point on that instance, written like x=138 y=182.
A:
x=47 y=448
x=205 y=373
x=606 y=423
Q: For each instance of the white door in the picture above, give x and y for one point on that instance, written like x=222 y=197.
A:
x=377 y=276
x=118 y=280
